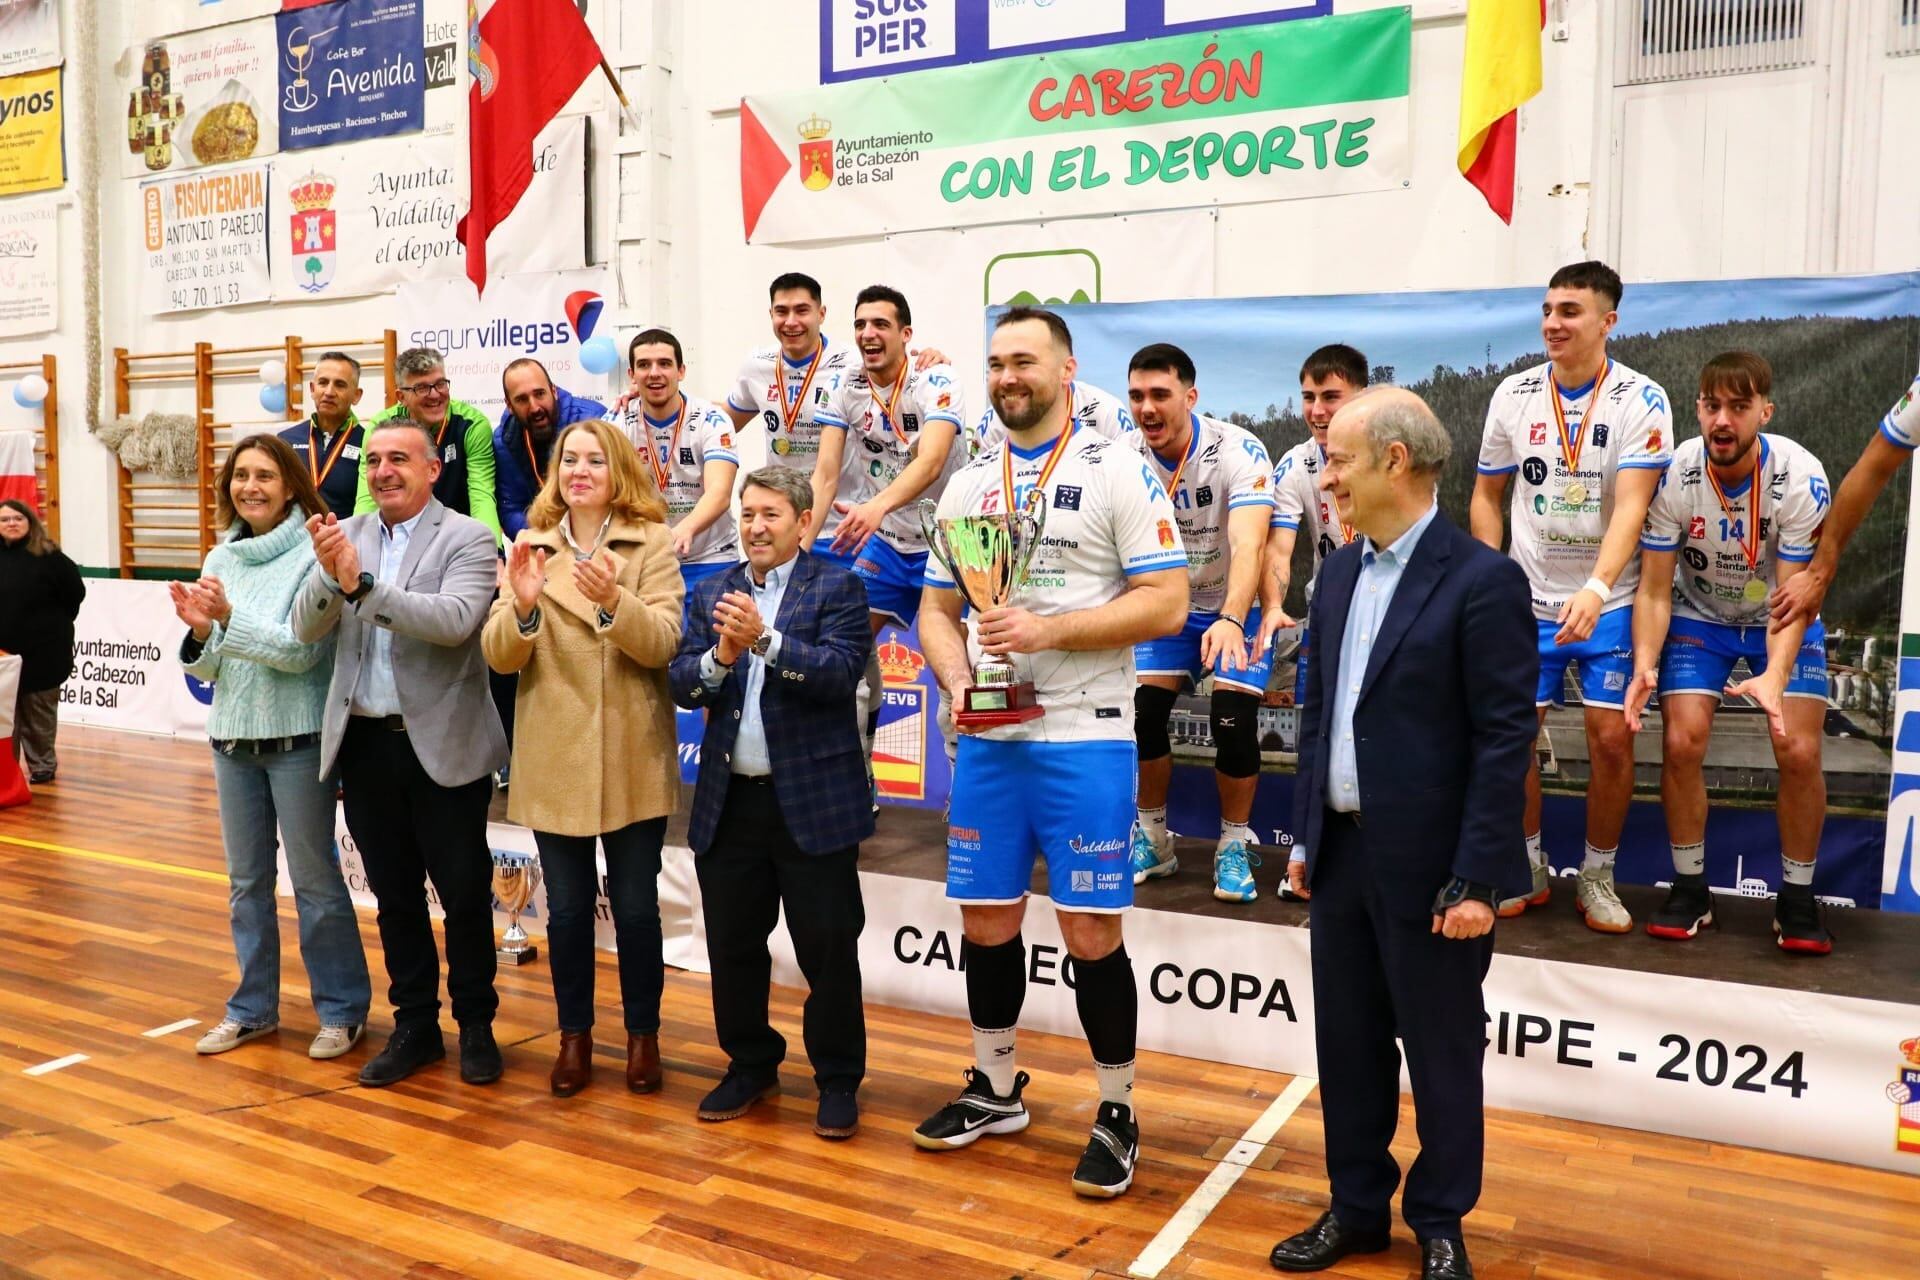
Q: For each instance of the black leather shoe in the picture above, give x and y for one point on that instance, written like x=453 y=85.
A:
x=1323 y=1244
x=408 y=1049
x=735 y=1095
x=1445 y=1260
x=480 y=1061
x=838 y=1116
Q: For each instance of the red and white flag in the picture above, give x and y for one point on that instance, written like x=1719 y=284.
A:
x=13 y=787
x=528 y=57
x=16 y=469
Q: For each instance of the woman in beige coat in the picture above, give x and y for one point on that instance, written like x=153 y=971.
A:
x=589 y=615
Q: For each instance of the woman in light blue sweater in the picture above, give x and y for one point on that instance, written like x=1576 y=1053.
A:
x=268 y=695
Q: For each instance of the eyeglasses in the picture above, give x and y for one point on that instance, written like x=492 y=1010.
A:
x=438 y=386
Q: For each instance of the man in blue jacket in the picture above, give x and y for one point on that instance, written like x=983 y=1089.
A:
x=773 y=651
x=1415 y=734
x=536 y=410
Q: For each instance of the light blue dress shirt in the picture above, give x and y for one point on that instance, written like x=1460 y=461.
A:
x=376 y=694
x=750 y=744
x=1380 y=573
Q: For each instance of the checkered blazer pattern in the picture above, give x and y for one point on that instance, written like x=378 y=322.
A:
x=806 y=707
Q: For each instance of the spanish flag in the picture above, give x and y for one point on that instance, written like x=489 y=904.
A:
x=1501 y=71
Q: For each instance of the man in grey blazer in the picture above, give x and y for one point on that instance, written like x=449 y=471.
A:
x=416 y=737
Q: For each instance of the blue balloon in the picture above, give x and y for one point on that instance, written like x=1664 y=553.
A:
x=274 y=398
x=599 y=355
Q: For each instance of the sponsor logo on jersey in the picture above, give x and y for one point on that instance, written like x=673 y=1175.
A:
x=944 y=400
x=1697 y=527
x=726 y=440
x=1653 y=440
x=1066 y=497
x=1203 y=497
x=1599 y=435
x=1166 y=535
x=1537 y=433
x=686 y=456
x=1535 y=470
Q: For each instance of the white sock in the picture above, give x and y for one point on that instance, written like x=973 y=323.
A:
x=993 y=1054
x=1690 y=859
x=1116 y=1083
x=1599 y=859
x=1154 y=823
x=1792 y=872
x=949 y=736
x=1236 y=831
x=1536 y=851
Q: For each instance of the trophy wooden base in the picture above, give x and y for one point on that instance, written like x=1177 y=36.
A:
x=991 y=706
x=525 y=955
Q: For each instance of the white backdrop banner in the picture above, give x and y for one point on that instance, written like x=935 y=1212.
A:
x=204 y=240
x=351 y=221
x=126 y=664
x=544 y=316
x=29 y=268
x=1792 y=1071
x=29 y=35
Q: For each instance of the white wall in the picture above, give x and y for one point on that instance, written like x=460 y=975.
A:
x=1802 y=170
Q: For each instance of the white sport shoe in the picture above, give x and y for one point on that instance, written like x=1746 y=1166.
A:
x=334 y=1041
x=229 y=1033
x=1150 y=858
x=1600 y=902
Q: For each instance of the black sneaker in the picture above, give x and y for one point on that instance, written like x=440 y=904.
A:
x=977 y=1111
x=1800 y=921
x=1687 y=910
x=1106 y=1167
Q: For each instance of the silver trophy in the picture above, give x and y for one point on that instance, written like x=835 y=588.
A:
x=987 y=557
x=515 y=877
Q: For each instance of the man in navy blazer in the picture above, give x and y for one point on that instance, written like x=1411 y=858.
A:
x=1415 y=732
x=773 y=652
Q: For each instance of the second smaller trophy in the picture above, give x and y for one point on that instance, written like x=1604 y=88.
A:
x=987 y=557
x=515 y=877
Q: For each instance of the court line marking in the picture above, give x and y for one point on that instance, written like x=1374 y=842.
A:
x=1180 y=1228
x=118 y=859
x=171 y=1027
x=56 y=1064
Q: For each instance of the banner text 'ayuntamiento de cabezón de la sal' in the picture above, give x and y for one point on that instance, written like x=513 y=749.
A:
x=1310 y=108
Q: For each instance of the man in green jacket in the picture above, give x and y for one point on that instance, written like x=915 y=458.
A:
x=463 y=438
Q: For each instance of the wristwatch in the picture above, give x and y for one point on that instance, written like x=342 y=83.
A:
x=360 y=588
x=762 y=643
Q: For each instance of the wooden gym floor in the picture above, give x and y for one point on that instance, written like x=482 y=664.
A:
x=146 y=1160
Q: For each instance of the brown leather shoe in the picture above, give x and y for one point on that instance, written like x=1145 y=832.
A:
x=574 y=1067
x=643 y=1063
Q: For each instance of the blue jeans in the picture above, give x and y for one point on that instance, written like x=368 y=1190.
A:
x=259 y=790
x=633 y=895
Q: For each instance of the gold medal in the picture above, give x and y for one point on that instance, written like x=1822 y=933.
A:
x=1575 y=494
x=1755 y=591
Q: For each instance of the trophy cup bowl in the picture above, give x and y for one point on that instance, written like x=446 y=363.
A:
x=515 y=877
x=987 y=557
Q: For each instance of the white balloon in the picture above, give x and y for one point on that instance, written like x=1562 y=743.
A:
x=273 y=372
x=33 y=388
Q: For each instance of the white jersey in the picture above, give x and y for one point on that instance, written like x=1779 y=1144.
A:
x=1300 y=504
x=1107 y=519
x=792 y=401
x=1225 y=469
x=879 y=445
x=1559 y=517
x=681 y=447
x=1901 y=426
x=1712 y=581
x=1101 y=410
